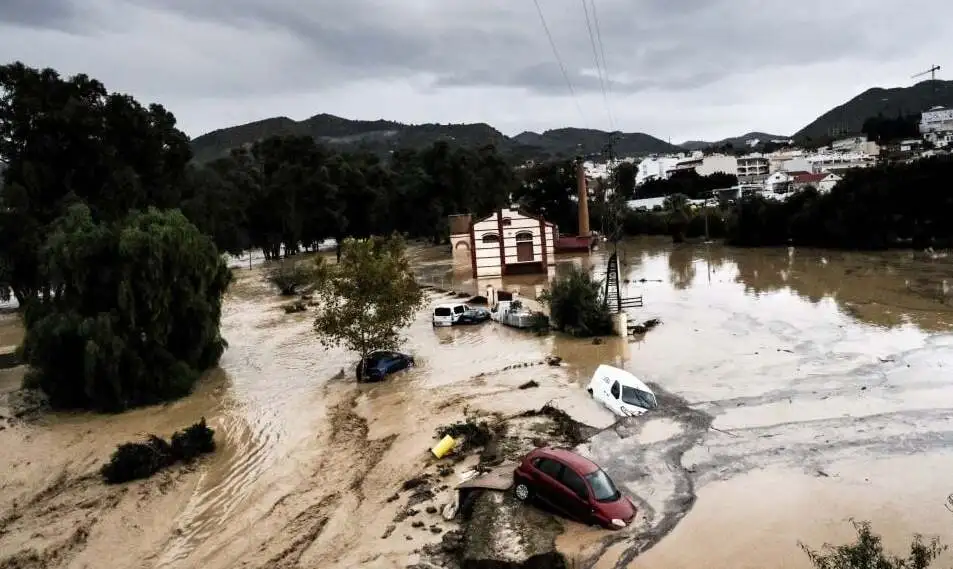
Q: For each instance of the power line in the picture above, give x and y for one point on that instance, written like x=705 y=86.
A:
x=595 y=57
x=602 y=50
x=559 y=60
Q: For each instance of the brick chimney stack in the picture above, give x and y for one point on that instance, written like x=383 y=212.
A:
x=583 y=199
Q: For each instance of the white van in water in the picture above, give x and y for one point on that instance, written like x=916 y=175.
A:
x=448 y=314
x=620 y=391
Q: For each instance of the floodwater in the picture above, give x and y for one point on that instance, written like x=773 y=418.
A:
x=798 y=389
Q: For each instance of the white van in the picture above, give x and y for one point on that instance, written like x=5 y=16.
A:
x=620 y=391
x=448 y=314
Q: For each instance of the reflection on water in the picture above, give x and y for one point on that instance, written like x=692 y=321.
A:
x=885 y=289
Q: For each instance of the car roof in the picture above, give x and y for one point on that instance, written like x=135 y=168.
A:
x=622 y=376
x=450 y=304
x=580 y=464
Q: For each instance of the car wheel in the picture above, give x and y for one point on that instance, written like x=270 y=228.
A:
x=522 y=491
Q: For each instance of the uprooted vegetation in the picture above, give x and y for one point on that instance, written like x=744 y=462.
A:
x=135 y=461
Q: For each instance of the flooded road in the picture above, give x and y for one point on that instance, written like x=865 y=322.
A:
x=798 y=388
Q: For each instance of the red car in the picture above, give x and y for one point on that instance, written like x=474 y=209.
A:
x=573 y=485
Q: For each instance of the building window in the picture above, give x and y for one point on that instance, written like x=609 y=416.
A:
x=507 y=221
x=524 y=236
x=491 y=238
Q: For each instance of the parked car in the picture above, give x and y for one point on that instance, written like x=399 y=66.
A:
x=458 y=313
x=620 y=391
x=573 y=485
x=474 y=315
x=377 y=365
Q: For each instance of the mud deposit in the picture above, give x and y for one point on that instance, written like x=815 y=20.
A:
x=797 y=389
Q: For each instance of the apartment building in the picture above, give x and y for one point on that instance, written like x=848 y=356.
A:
x=753 y=168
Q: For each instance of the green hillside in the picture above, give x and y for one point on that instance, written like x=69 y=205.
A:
x=382 y=136
x=849 y=117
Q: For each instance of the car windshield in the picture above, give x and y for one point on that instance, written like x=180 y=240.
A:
x=442 y=311
x=603 y=490
x=378 y=357
x=639 y=398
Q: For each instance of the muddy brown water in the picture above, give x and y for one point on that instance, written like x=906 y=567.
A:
x=799 y=388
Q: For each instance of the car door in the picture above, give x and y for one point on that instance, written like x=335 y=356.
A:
x=576 y=496
x=548 y=484
x=395 y=362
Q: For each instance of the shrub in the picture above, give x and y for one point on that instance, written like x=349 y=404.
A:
x=576 y=305
x=867 y=552
x=135 y=461
x=289 y=277
x=196 y=440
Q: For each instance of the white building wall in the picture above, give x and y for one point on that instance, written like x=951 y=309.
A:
x=828 y=183
x=655 y=167
x=792 y=165
x=513 y=224
x=718 y=163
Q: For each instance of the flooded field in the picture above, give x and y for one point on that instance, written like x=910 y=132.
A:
x=798 y=389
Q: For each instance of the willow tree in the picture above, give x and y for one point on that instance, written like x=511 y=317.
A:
x=368 y=297
x=132 y=317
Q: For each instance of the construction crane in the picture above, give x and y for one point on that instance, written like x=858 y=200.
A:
x=931 y=71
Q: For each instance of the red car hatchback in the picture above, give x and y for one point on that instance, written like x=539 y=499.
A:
x=575 y=486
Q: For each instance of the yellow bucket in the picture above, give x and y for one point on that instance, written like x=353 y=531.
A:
x=445 y=445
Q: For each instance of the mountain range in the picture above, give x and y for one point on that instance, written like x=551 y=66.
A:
x=382 y=136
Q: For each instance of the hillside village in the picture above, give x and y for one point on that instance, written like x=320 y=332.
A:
x=783 y=172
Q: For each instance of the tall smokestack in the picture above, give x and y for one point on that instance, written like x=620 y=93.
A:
x=583 y=199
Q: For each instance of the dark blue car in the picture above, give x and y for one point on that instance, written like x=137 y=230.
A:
x=379 y=364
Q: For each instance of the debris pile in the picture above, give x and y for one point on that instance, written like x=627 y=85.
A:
x=645 y=326
x=135 y=461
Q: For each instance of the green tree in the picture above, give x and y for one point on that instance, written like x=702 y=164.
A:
x=576 y=305
x=69 y=139
x=548 y=190
x=368 y=297
x=867 y=552
x=133 y=314
x=623 y=179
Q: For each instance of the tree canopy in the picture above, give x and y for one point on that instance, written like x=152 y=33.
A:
x=132 y=317
x=367 y=298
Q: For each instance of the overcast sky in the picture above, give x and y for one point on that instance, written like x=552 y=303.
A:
x=677 y=69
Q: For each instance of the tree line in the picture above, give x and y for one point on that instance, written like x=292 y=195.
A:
x=892 y=205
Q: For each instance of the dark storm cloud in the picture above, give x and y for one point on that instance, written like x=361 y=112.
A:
x=648 y=43
x=41 y=14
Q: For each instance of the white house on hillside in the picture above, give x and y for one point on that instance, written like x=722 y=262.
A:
x=655 y=168
x=828 y=183
x=936 y=126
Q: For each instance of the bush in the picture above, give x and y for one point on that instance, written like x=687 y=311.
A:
x=196 y=440
x=135 y=461
x=576 y=305
x=867 y=552
x=289 y=277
